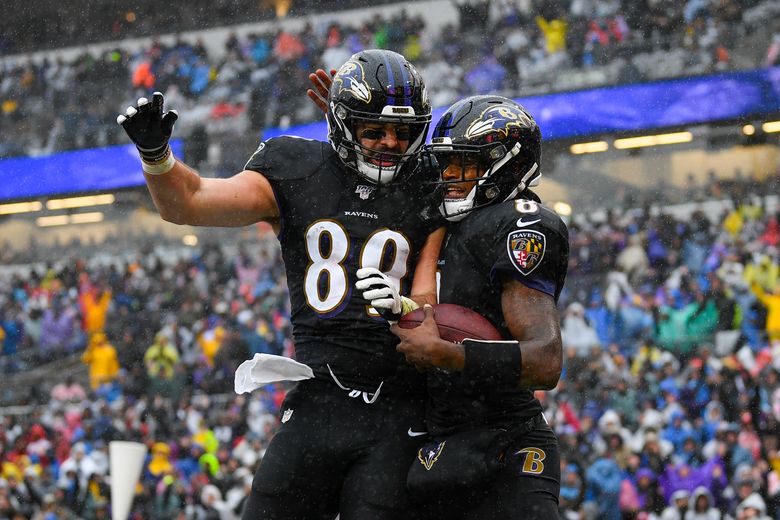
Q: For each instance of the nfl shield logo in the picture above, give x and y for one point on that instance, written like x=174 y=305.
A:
x=286 y=415
x=526 y=249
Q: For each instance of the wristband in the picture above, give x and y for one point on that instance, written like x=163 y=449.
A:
x=162 y=164
x=156 y=155
x=494 y=363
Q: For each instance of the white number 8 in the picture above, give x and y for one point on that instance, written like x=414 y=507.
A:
x=526 y=206
x=330 y=263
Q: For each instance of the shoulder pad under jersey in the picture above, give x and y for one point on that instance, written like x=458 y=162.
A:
x=289 y=157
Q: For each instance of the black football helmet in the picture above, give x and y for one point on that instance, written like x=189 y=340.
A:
x=377 y=86
x=497 y=134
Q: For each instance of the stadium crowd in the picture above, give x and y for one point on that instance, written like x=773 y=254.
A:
x=669 y=404
x=670 y=399
x=123 y=20
x=502 y=46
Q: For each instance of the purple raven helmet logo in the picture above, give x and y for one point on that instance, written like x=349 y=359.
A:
x=499 y=119
x=350 y=78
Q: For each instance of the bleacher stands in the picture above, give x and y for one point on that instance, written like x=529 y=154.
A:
x=237 y=83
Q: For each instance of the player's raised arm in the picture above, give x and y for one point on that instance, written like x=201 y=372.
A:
x=179 y=193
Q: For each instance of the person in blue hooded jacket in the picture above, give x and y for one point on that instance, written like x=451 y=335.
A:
x=602 y=487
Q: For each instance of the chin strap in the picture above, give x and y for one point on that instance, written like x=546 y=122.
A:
x=524 y=180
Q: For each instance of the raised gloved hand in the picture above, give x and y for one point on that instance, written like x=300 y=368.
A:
x=150 y=130
x=380 y=290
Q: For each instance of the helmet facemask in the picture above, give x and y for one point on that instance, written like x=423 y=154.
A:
x=504 y=174
x=363 y=159
x=494 y=133
x=377 y=87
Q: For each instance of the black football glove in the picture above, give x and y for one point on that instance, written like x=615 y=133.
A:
x=378 y=289
x=149 y=127
x=428 y=170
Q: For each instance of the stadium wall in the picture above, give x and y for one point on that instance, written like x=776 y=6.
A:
x=20 y=232
x=649 y=167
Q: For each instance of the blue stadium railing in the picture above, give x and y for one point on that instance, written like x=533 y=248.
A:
x=734 y=96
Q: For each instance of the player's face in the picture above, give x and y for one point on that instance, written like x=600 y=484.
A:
x=462 y=168
x=379 y=138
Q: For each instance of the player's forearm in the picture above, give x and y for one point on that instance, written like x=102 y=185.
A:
x=448 y=356
x=423 y=298
x=174 y=192
x=424 y=284
x=542 y=362
x=541 y=349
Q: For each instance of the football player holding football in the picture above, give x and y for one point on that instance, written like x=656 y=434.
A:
x=347 y=210
x=491 y=453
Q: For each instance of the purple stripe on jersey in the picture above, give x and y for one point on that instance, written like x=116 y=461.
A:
x=540 y=284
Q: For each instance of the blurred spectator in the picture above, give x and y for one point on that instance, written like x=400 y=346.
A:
x=602 y=491
x=772 y=303
x=486 y=77
x=576 y=332
x=571 y=491
x=159 y=465
x=752 y=508
x=554 y=34
x=103 y=363
x=678 y=506
x=94 y=301
x=68 y=391
x=58 y=329
x=701 y=506
x=160 y=358
x=11 y=330
x=211 y=338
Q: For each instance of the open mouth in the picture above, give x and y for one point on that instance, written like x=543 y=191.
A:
x=455 y=193
x=383 y=160
x=458 y=190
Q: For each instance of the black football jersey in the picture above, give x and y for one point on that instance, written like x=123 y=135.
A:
x=333 y=223
x=519 y=239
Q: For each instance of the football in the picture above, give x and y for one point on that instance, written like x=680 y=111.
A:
x=455 y=322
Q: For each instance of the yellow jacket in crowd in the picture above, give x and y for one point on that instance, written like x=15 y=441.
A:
x=101 y=357
x=161 y=357
x=95 y=309
x=772 y=304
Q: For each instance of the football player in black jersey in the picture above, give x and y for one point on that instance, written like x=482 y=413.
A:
x=346 y=211
x=505 y=257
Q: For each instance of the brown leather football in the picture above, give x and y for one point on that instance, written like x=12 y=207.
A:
x=455 y=323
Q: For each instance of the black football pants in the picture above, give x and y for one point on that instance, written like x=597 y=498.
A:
x=336 y=454
x=526 y=487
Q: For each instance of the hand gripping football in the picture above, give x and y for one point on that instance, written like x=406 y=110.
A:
x=455 y=322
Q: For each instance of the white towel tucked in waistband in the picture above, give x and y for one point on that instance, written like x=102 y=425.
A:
x=267 y=368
